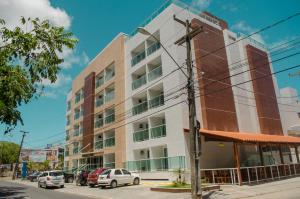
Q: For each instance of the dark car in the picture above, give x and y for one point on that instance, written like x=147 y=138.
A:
x=69 y=177
x=33 y=177
x=93 y=176
x=81 y=178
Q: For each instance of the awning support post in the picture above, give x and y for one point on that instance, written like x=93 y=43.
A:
x=297 y=153
x=237 y=162
x=280 y=153
x=262 y=162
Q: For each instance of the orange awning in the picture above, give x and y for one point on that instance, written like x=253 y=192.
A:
x=250 y=137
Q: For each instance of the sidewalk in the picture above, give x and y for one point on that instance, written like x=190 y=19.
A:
x=287 y=189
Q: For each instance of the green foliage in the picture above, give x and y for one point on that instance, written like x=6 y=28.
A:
x=27 y=58
x=8 y=152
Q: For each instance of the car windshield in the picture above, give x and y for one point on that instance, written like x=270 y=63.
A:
x=56 y=173
x=106 y=172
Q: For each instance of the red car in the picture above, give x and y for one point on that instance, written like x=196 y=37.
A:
x=93 y=177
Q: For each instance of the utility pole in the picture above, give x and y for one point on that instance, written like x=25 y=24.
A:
x=17 y=163
x=194 y=125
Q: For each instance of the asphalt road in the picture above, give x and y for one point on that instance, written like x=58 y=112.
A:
x=9 y=190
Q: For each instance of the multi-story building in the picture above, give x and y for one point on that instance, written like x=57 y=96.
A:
x=233 y=94
x=92 y=106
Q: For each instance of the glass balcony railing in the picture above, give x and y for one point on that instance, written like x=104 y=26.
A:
x=139 y=82
x=151 y=49
x=140 y=108
x=155 y=73
x=109 y=74
x=67 y=138
x=99 y=145
x=109 y=96
x=156 y=101
x=99 y=82
x=110 y=118
x=157 y=164
x=76 y=132
x=138 y=58
x=109 y=165
x=109 y=142
x=67 y=153
x=78 y=97
x=76 y=150
x=158 y=131
x=99 y=123
x=99 y=102
x=77 y=115
x=141 y=135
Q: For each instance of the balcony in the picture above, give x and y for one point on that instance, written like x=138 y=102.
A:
x=109 y=142
x=154 y=47
x=109 y=165
x=68 y=122
x=67 y=138
x=140 y=108
x=77 y=115
x=109 y=96
x=158 y=131
x=140 y=136
x=99 y=81
x=99 y=145
x=78 y=97
x=99 y=123
x=156 y=101
x=110 y=118
x=99 y=102
x=76 y=150
x=157 y=164
x=139 y=82
x=155 y=73
x=67 y=153
x=138 y=58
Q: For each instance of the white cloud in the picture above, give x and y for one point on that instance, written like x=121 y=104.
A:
x=246 y=29
x=229 y=7
x=285 y=43
x=12 y=10
x=61 y=80
x=71 y=57
x=201 y=4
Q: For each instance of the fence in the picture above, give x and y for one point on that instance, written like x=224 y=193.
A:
x=249 y=175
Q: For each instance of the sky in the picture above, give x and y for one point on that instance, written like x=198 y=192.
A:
x=96 y=22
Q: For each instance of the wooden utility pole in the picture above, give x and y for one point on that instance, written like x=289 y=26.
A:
x=195 y=139
x=17 y=163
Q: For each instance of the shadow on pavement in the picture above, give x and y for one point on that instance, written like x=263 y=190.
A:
x=12 y=192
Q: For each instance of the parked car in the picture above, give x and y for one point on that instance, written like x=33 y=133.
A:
x=115 y=177
x=69 y=177
x=51 y=179
x=93 y=176
x=81 y=178
x=34 y=177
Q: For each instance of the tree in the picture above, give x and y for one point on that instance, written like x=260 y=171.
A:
x=26 y=59
x=8 y=152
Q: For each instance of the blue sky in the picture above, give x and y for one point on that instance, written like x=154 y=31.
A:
x=96 y=22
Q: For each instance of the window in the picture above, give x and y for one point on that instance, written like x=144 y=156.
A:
x=107 y=172
x=55 y=174
x=118 y=172
x=125 y=172
x=299 y=115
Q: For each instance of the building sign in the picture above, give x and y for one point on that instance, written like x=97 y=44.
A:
x=39 y=155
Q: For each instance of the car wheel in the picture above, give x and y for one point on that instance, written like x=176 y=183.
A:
x=70 y=180
x=62 y=186
x=39 y=185
x=92 y=185
x=113 y=184
x=102 y=187
x=136 y=181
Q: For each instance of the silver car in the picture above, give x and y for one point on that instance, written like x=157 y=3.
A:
x=115 y=177
x=51 y=179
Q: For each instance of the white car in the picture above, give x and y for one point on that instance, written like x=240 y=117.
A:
x=51 y=179
x=115 y=177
